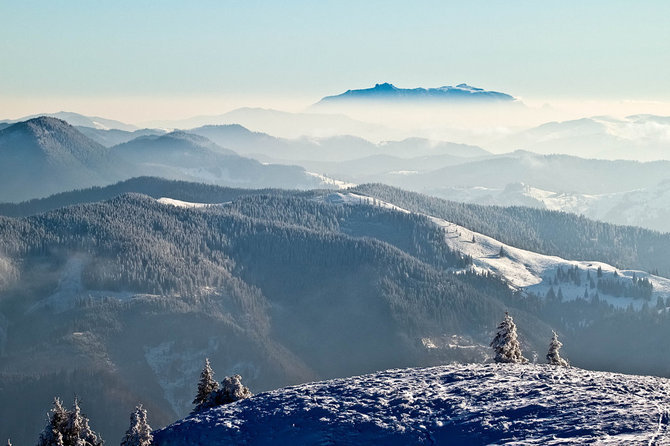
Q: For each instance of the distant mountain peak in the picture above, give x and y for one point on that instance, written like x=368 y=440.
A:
x=387 y=92
x=385 y=86
x=77 y=119
x=44 y=121
x=49 y=133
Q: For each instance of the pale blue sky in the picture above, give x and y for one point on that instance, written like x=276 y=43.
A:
x=308 y=49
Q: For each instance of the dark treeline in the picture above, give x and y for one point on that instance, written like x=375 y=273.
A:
x=151 y=186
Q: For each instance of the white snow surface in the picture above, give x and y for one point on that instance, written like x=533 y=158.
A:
x=183 y=204
x=453 y=404
x=328 y=181
x=524 y=270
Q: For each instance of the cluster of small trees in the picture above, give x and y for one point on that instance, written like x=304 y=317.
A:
x=508 y=350
x=71 y=427
x=68 y=428
x=211 y=394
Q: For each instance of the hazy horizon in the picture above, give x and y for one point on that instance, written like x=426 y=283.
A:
x=136 y=63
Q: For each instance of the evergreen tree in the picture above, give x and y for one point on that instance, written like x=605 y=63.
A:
x=505 y=343
x=551 y=295
x=206 y=385
x=502 y=252
x=77 y=431
x=52 y=433
x=553 y=356
x=139 y=432
x=231 y=390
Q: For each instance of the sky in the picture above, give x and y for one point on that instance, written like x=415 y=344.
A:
x=142 y=60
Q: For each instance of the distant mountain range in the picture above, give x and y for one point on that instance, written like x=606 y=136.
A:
x=648 y=207
x=636 y=137
x=327 y=149
x=46 y=155
x=280 y=123
x=112 y=137
x=76 y=119
x=390 y=93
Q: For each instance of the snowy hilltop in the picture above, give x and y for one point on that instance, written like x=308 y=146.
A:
x=454 y=404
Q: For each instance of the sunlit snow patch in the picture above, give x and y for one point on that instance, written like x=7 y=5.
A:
x=183 y=204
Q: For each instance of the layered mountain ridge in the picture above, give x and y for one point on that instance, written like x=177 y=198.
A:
x=46 y=155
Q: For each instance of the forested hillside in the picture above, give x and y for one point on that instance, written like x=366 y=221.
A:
x=138 y=292
x=281 y=287
x=543 y=231
x=547 y=232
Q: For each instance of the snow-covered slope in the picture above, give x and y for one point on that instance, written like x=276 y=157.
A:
x=530 y=271
x=454 y=404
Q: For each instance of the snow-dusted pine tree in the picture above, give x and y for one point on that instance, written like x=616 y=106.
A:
x=206 y=385
x=77 y=431
x=553 y=356
x=139 y=432
x=505 y=343
x=52 y=433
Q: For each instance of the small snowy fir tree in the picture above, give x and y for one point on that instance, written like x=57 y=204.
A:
x=505 y=343
x=77 y=431
x=139 y=432
x=231 y=390
x=52 y=433
x=553 y=356
x=206 y=385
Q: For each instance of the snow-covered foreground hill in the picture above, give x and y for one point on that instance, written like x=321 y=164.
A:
x=454 y=404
